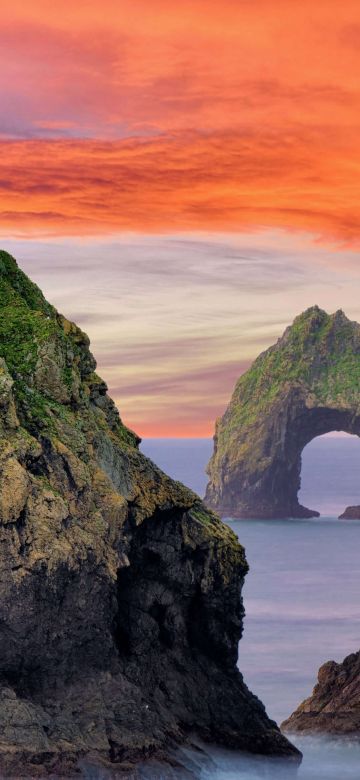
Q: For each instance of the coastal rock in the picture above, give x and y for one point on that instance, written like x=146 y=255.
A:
x=334 y=706
x=351 y=513
x=306 y=385
x=120 y=609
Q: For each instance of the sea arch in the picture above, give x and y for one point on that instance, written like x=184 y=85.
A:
x=306 y=385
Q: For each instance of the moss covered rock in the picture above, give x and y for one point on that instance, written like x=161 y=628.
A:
x=306 y=385
x=120 y=592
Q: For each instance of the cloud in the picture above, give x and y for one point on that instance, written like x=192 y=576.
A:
x=221 y=182
x=188 y=181
x=175 y=319
x=135 y=118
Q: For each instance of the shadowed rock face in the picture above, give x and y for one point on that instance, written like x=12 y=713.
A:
x=334 y=706
x=306 y=385
x=351 y=513
x=120 y=609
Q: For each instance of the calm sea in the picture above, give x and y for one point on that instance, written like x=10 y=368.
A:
x=301 y=594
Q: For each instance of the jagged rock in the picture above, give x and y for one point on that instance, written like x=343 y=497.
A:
x=306 y=385
x=334 y=706
x=120 y=610
x=351 y=513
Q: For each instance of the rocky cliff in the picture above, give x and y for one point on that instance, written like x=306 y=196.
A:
x=306 y=385
x=334 y=706
x=120 y=610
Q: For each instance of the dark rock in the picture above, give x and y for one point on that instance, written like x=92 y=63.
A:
x=306 y=385
x=351 y=513
x=120 y=609
x=334 y=707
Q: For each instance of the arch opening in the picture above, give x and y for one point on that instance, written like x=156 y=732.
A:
x=305 y=428
x=267 y=480
x=330 y=469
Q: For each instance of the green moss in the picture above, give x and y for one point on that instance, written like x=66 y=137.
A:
x=38 y=413
x=317 y=351
x=125 y=436
x=16 y=281
x=26 y=321
x=28 y=324
x=200 y=514
x=44 y=483
x=68 y=377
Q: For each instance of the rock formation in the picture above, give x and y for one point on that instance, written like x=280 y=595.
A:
x=351 y=513
x=120 y=610
x=306 y=385
x=334 y=706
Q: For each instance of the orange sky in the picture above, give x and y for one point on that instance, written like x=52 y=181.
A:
x=164 y=118
x=219 y=115
x=225 y=180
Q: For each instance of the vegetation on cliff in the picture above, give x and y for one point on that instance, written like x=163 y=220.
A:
x=120 y=592
x=306 y=384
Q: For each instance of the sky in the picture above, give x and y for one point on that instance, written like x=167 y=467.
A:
x=182 y=179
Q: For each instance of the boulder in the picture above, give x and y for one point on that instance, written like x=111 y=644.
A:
x=334 y=706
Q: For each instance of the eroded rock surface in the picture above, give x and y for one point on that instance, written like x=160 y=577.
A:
x=350 y=513
x=120 y=610
x=334 y=706
x=306 y=385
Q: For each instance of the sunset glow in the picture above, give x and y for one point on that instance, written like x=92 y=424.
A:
x=129 y=127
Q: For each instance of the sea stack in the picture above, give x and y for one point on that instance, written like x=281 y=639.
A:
x=306 y=385
x=120 y=592
x=334 y=706
x=350 y=513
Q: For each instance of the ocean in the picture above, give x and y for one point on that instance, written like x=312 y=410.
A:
x=301 y=595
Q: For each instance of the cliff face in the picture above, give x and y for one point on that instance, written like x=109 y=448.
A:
x=334 y=707
x=306 y=385
x=119 y=602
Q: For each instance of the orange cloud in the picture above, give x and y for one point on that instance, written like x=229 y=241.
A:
x=219 y=181
x=164 y=118
x=201 y=116
x=115 y=68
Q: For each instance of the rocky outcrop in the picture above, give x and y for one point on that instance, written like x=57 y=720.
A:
x=334 y=707
x=120 y=610
x=306 y=385
x=351 y=513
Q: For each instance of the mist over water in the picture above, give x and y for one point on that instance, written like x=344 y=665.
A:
x=301 y=597
x=324 y=759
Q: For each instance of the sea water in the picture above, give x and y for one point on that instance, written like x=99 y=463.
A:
x=301 y=596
